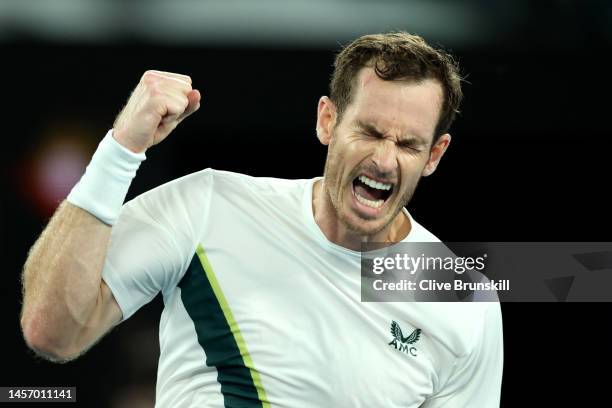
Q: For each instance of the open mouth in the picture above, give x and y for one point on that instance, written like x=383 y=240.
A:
x=371 y=193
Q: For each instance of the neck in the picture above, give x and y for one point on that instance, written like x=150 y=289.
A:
x=336 y=231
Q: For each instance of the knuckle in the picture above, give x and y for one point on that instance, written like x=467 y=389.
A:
x=149 y=78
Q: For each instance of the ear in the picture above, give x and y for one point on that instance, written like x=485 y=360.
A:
x=437 y=151
x=326 y=119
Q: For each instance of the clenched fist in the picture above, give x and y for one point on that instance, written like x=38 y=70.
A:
x=160 y=101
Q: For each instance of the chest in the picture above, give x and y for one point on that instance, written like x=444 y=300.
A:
x=310 y=337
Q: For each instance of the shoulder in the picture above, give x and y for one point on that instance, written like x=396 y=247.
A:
x=209 y=180
x=205 y=193
x=232 y=180
x=197 y=191
x=250 y=192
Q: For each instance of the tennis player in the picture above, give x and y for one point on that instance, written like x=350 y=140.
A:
x=260 y=277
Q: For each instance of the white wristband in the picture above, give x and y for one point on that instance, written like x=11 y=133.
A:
x=102 y=189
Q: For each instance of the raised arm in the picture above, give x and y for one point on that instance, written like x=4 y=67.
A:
x=67 y=306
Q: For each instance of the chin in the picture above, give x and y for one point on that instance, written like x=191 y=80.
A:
x=362 y=226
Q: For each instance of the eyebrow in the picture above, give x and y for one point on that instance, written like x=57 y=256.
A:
x=371 y=129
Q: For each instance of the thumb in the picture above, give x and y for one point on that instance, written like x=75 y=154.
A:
x=194 y=97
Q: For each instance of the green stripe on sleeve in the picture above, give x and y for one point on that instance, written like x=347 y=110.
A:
x=219 y=335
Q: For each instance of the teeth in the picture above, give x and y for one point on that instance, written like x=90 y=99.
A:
x=369 y=203
x=374 y=184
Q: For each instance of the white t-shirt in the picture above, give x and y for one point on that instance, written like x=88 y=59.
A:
x=262 y=310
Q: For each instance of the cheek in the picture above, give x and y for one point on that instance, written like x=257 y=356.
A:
x=358 y=151
x=411 y=169
x=350 y=154
x=354 y=155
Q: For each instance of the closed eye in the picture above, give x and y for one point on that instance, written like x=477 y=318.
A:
x=409 y=146
x=372 y=135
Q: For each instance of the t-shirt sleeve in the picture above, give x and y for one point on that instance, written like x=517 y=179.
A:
x=154 y=239
x=476 y=379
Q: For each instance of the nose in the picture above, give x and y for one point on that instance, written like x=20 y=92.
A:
x=385 y=156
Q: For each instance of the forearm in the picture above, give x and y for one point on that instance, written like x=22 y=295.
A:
x=62 y=280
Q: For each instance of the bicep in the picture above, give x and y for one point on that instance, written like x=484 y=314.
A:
x=141 y=261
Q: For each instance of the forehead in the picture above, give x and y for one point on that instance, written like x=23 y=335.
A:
x=396 y=107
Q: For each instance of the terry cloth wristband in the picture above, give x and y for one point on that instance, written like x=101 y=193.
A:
x=102 y=189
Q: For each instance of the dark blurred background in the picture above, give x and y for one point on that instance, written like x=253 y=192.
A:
x=529 y=160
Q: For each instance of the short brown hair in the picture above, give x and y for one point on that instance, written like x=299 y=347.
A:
x=397 y=56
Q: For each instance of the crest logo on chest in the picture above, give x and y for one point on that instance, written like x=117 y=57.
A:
x=404 y=344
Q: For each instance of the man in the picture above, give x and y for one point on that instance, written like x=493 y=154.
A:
x=261 y=277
